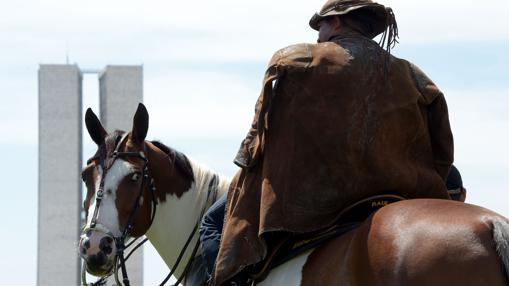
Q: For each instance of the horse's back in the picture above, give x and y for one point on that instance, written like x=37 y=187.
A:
x=413 y=242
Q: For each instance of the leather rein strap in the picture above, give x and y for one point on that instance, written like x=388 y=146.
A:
x=212 y=190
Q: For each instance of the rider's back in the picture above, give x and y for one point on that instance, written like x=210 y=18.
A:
x=347 y=121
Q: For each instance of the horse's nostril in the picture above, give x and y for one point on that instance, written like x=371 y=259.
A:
x=105 y=245
x=86 y=244
x=88 y=233
x=106 y=241
x=107 y=250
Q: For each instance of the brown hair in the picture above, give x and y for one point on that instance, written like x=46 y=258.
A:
x=361 y=20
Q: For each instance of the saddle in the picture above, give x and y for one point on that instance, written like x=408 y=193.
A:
x=283 y=248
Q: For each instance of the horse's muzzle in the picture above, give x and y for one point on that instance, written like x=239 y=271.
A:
x=98 y=266
x=98 y=251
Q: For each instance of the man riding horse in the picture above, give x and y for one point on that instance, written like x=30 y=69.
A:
x=336 y=122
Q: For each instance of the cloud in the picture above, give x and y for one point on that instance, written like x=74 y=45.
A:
x=479 y=122
x=225 y=30
x=199 y=104
x=18 y=122
x=451 y=21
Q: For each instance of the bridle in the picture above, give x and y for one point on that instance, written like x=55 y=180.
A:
x=120 y=240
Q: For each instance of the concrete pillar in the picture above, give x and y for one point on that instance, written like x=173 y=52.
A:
x=60 y=143
x=121 y=89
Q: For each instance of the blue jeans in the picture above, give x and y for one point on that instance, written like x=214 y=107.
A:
x=210 y=233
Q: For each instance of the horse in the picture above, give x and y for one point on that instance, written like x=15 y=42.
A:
x=145 y=188
x=143 y=177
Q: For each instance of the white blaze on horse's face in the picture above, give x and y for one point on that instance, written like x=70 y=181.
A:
x=96 y=246
x=107 y=214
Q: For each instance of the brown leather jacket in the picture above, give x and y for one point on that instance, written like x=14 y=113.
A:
x=335 y=122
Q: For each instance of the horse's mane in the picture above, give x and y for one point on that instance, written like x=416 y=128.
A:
x=180 y=161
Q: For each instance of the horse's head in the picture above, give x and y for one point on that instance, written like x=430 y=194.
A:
x=118 y=182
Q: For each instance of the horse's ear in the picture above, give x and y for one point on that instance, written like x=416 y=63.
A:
x=94 y=127
x=140 y=124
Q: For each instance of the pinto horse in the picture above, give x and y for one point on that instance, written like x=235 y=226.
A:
x=145 y=188
x=137 y=187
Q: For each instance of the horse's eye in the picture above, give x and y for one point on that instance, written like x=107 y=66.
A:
x=135 y=177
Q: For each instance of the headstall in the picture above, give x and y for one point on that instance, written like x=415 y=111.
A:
x=120 y=240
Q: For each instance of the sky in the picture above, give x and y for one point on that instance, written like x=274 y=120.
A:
x=203 y=64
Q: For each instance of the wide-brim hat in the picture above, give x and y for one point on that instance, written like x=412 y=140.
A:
x=379 y=19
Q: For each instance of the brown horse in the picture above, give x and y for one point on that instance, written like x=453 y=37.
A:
x=413 y=242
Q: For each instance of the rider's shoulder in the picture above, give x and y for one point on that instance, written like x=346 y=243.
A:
x=425 y=85
x=306 y=55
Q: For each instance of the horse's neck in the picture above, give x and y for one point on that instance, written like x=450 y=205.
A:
x=177 y=216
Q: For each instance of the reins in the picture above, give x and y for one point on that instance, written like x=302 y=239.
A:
x=120 y=241
x=213 y=186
